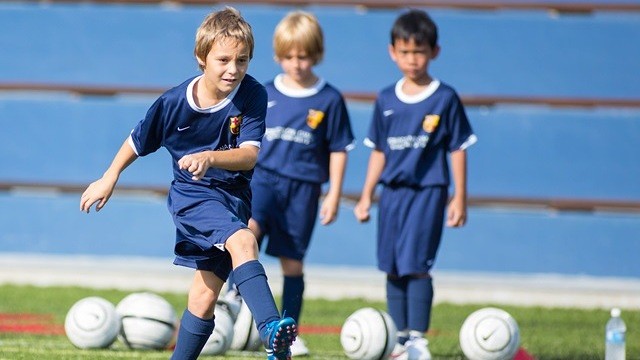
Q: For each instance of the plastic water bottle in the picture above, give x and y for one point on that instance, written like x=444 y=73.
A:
x=615 y=337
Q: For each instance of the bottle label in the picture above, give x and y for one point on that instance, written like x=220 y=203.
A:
x=615 y=337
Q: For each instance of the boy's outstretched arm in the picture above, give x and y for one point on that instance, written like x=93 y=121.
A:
x=374 y=170
x=242 y=158
x=457 y=211
x=100 y=190
x=329 y=207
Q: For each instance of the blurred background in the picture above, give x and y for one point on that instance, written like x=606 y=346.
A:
x=552 y=90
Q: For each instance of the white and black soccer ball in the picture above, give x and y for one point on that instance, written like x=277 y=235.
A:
x=490 y=334
x=245 y=333
x=368 y=334
x=220 y=340
x=92 y=323
x=148 y=321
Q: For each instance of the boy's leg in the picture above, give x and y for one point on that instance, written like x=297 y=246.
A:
x=397 y=300
x=292 y=298
x=420 y=299
x=232 y=290
x=397 y=308
x=197 y=321
x=292 y=287
x=292 y=291
x=277 y=334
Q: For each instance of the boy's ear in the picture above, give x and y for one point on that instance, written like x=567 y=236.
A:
x=200 y=61
x=392 y=52
x=436 y=52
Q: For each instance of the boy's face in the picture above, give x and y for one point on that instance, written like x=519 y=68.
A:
x=297 y=66
x=225 y=66
x=413 y=59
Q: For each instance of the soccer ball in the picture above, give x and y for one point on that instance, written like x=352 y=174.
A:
x=368 y=334
x=148 y=321
x=220 y=340
x=92 y=323
x=489 y=334
x=245 y=333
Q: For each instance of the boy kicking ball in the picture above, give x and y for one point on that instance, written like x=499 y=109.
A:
x=212 y=125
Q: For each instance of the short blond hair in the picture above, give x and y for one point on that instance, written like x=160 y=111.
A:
x=299 y=29
x=220 y=25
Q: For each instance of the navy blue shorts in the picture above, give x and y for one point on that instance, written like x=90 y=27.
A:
x=286 y=211
x=205 y=218
x=410 y=223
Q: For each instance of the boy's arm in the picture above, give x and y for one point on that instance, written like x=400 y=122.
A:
x=374 y=170
x=337 y=166
x=100 y=190
x=238 y=159
x=457 y=211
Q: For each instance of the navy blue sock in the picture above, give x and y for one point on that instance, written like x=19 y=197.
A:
x=192 y=336
x=292 y=291
x=397 y=301
x=251 y=281
x=420 y=298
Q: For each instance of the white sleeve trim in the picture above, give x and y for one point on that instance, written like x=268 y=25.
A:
x=250 y=143
x=368 y=143
x=470 y=141
x=133 y=146
x=350 y=146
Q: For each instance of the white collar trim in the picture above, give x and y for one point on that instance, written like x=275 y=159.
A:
x=414 y=99
x=278 y=82
x=211 y=109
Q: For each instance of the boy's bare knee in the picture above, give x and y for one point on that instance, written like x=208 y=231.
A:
x=242 y=246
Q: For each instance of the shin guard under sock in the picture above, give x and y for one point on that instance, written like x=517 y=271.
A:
x=251 y=281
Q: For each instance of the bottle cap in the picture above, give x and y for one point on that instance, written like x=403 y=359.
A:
x=615 y=312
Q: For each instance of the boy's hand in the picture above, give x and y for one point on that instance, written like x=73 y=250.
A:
x=361 y=210
x=456 y=213
x=98 y=191
x=197 y=164
x=329 y=210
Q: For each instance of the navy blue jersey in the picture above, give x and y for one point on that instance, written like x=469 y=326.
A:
x=302 y=128
x=415 y=133
x=175 y=122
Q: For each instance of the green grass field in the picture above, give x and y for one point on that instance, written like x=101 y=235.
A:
x=32 y=318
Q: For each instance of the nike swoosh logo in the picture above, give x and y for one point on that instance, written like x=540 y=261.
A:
x=486 y=337
x=271 y=104
x=184 y=128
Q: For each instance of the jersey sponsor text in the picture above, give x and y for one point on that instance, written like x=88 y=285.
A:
x=288 y=134
x=407 y=142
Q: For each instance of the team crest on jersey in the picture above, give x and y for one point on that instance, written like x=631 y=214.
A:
x=234 y=124
x=430 y=123
x=314 y=118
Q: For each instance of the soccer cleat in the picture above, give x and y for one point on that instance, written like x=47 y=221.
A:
x=280 y=335
x=417 y=349
x=299 y=348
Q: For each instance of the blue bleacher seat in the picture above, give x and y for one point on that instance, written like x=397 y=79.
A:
x=524 y=53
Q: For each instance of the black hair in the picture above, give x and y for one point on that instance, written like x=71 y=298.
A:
x=415 y=25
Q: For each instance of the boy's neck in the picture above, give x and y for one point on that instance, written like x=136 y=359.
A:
x=304 y=83
x=415 y=86
x=204 y=97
